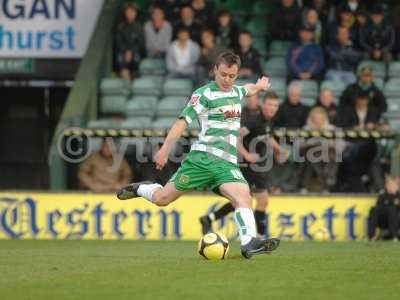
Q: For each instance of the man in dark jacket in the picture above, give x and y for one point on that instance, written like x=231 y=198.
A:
x=250 y=58
x=386 y=211
x=292 y=113
x=286 y=21
x=377 y=38
x=365 y=84
x=343 y=58
x=129 y=42
x=188 y=22
x=305 y=59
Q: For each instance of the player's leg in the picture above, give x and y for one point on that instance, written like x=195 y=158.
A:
x=221 y=212
x=259 y=213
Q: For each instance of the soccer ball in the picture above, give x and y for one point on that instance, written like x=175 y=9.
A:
x=213 y=246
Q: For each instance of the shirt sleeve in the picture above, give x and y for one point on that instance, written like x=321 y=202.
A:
x=196 y=105
x=242 y=92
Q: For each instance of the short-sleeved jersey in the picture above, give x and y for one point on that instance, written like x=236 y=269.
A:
x=219 y=115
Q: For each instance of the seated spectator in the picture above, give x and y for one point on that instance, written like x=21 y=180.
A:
x=203 y=11
x=209 y=53
x=320 y=168
x=292 y=113
x=343 y=58
x=157 y=33
x=364 y=84
x=311 y=19
x=326 y=101
x=188 y=21
x=226 y=31
x=286 y=21
x=361 y=22
x=99 y=172
x=325 y=10
x=378 y=37
x=182 y=55
x=385 y=214
x=351 y=5
x=171 y=8
x=305 y=59
x=345 y=19
x=129 y=42
x=249 y=57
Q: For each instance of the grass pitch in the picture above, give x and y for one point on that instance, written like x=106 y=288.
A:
x=173 y=270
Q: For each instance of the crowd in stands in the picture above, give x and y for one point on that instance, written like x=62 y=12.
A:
x=325 y=43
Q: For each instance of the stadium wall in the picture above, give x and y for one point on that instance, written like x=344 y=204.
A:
x=100 y=216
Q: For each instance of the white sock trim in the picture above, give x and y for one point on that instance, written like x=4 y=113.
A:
x=246 y=224
x=147 y=190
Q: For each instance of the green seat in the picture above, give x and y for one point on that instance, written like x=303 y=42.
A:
x=114 y=86
x=279 y=48
x=278 y=85
x=395 y=124
x=237 y=7
x=170 y=107
x=379 y=83
x=152 y=66
x=177 y=87
x=104 y=123
x=336 y=86
x=242 y=81
x=308 y=101
x=392 y=88
x=379 y=68
x=275 y=67
x=141 y=106
x=263 y=7
x=393 y=107
x=309 y=88
x=394 y=69
x=137 y=122
x=146 y=86
x=163 y=123
x=258 y=27
x=260 y=45
x=112 y=104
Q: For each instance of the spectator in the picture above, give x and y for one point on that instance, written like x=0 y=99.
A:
x=311 y=19
x=182 y=55
x=226 y=31
x=188 y=21
x=364 y=84
x=203 y=11
x=385 y=214
x=325 y=9
x=129 y=42
x=361 y=21
x=171 y=8
x=351 y=5
x=346 y=19
x=292 y=113
x=377 y=37
x=158 y=34
x=326 y=101
x=249 y=57
x=343 y=58
x=305 y=58
x=99 y=172
x=286 y=21
x=321 y=167
x=208 y=56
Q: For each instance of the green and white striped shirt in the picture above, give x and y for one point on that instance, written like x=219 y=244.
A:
x=219 y=115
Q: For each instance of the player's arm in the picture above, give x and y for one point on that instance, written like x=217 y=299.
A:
x=262 y=84
x=278 y=150
x=173 y=136
x=250 y=157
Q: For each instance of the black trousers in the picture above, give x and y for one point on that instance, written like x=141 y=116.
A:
x=383 y=217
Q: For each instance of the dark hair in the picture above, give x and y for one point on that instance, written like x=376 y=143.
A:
x=362 y=95
x=209 y=30
x=270 y=95
x=183 y=29
x=224 y=12
x=246 y=32
x=131 y=6
x=228 y=58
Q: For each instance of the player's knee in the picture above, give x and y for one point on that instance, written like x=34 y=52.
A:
x=161 y=200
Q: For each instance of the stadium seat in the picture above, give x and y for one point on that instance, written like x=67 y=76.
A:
x=279 y=48
x=237 y=7
x=278 y=85
x=141 y=106
x=177 y=87
x=146 y=86
x=104 y=123
x=170 y=106
x=258 y=27
x=394 y=69
x=379 y=83
x=137 y=122
x=114 y=86
x=162 y=123
x=263 y=8
x=152 y=66
x=395 y=123
x=379 y=68
x=336 y=86
x=261 y=46
x=275 y=67
x=393 y=107
x=308 y=101
x=309 y=88
x=112 y=104
x=392 y=88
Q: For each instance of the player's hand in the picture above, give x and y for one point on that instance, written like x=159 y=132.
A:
x=252 y=157
x=263 y=84
x=161 y=159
